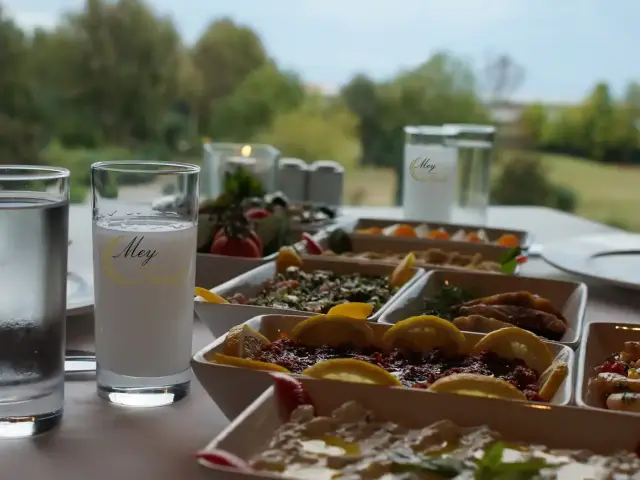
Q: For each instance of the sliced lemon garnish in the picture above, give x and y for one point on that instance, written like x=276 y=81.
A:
x=514 y=342
x=244 y=341
x=333 y=330
x=246 y=363
x=352 y=310
x=477 y=385
x=551 y=380
x=208 y=296
x=425 y=332
x=351 y=370
x=287 y=257
x=403 y=271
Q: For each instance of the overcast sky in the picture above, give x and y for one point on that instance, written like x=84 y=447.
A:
x=565 y=46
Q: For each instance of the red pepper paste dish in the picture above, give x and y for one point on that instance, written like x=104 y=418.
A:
x=425 y=352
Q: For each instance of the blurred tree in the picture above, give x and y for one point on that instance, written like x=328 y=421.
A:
x=122 y=69
x=315 y=131
x=598 y=118
x=252 y=106
x=627 y=125
x=19 y=115
x=362 y=97
x=532 y=123
x=501 y=78
x=225 y=55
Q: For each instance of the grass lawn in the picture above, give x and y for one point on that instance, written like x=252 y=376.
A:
x=606 y=193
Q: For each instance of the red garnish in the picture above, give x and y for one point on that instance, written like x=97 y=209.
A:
x=257 y=213
x=223 y=458
x=311 y=245
x=613 y=366
x=289 y=392
x=522 y=259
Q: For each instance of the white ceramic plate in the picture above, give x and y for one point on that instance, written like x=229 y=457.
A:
x=612 y=258
x=79 y=295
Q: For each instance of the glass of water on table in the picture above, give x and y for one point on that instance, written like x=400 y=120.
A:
x=144 y=259
x=34 y=219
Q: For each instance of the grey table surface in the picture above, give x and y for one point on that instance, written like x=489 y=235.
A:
x=101 y=441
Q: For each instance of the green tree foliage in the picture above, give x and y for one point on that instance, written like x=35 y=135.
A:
x=316 y=130
x=256 y=101
x=524 y=181
x=20 y=130
x=225 y=55
x=441 y=90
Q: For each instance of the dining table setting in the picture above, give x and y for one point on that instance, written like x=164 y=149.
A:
x=254 y=333
x=100 y=440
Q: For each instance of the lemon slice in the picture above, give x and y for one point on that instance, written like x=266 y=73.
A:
x=221 y=359
x=514 y=342
x=403 y=271
x=332 y=330
x=551 y=380
x=287 y=257
x=244 y=341
x=425 y=332
x=351 y=370
x=352 y=310
x=477 y=386
x=208 y=296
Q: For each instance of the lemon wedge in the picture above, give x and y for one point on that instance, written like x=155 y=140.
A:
x=332 y=330
x=477 y=386
x=351 y=370
x=208 y=296
x=221 y=359
x=244 y=341
x=287 y=257
x=551 y=380
x=514 y=342
x=425 y=332
x=352 y=310
x=403 y=271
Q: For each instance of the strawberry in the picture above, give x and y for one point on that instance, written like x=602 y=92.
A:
x=223 y=458
x=290 y=392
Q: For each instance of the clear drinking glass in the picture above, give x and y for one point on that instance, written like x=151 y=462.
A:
x=475 y=152
x=144 y=260
x=34 y=223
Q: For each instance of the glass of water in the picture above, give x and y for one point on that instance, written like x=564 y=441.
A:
x=474 y=144
x=34 y=222
x=144 y=260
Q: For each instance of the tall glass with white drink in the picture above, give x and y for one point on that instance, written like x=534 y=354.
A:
x=144 y=273
x=429 y=176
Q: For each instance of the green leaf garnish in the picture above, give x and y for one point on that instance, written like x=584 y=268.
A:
x=442 y=303
x=491 y=466
x=509 y=267
x=443 y=467
x=511 y=255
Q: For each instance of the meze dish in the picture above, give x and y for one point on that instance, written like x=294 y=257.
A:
x=351 y=442
x=420 y=352
x=318 y=291
x=440 y=233
x=485 y=314
x=616 y=384
x=340 y=244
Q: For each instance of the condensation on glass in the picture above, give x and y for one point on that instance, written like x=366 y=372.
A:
x=34 y=219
